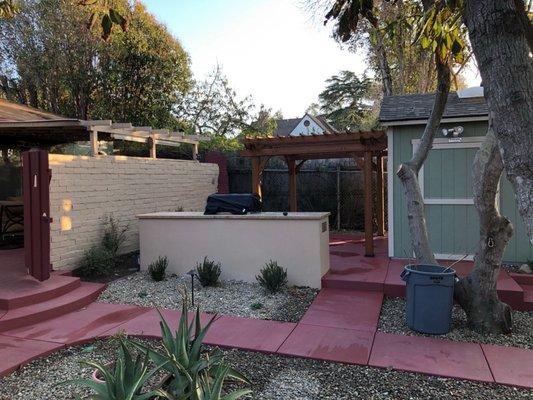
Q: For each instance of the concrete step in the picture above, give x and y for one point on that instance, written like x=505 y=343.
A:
x=29 y=291
x=75 y=299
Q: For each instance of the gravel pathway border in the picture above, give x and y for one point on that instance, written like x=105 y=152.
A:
x=274 y=377
x=392 y=320
x=234 y=298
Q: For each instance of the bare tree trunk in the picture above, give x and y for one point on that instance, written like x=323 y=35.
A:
x=477 y=293
x=408 y=172
x=386 y=79
x=499 y=35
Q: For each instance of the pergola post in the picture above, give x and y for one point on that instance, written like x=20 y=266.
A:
x=195 y=151
x=380 y=196
x=291 y=164
x=369 y=234
x=94 y=142
x=153 y=146
x=256 y=176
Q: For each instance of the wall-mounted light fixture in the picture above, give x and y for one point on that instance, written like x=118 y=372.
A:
x=453 y=134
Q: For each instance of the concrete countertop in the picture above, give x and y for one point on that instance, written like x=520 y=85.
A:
x=262 y=215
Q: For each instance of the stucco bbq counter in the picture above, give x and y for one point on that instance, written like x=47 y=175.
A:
x=241 y=243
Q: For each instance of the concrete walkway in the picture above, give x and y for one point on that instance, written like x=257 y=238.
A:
x=340 y=326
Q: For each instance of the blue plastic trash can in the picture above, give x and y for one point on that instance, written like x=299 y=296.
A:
x=429 y=293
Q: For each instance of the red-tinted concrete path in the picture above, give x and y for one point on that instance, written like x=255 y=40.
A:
x=339 y=326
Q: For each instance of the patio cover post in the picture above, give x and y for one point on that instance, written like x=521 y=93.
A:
x=93 y=137
x=369 y=235
x=380 y=195
x=153 y=146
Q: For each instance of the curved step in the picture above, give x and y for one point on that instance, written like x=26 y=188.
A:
x=80 y=297
x=34 y=292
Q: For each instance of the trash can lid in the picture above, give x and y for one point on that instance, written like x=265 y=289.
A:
x=429 y=269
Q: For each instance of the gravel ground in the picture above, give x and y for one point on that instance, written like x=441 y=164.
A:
x=273 y=377
x=392 y=320
x=229 y=298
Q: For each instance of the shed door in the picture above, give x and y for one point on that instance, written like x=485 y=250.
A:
x=446 y=183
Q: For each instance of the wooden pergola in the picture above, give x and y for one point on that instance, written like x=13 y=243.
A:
x=366 y=148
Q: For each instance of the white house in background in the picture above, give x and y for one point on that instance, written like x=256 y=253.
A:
x=307 y=125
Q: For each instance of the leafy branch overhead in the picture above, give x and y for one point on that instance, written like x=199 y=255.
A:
x=109 y=17
x=438 y=29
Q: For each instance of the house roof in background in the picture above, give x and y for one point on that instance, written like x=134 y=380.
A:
x=14 y=112
x=418 y=107
x=286 y=126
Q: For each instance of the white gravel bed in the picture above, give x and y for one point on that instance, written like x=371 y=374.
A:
x=274 y=378
x=392 y=320
x=229 y=298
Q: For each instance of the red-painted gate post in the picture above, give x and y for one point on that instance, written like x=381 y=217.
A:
x=36 y=191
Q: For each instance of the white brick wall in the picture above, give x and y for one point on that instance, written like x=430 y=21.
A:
x=84 y=190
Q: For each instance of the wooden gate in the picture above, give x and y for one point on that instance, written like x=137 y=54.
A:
x=36 y=189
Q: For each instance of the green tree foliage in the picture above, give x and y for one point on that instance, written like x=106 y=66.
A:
x=143 y=72
x=345 y=100
x=50 y=60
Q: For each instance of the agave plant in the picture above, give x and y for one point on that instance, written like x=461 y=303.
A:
x=124 y=381
x=194 y=374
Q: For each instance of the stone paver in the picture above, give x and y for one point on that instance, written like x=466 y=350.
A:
x=249 y=334
x=330 y=344
x=15 y=352
x=430 y=356
x=348 y=309
x=510 y=365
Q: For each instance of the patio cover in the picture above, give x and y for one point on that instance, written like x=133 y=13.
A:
x=23 y=125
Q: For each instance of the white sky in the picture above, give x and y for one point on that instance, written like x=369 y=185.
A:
x=269 y=49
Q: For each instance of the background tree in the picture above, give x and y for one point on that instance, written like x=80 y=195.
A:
x=50 y=60
x=345 y=100
x=142 y=73
x=212 y=107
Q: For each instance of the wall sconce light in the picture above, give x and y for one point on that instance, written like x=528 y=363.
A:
x=453 y=133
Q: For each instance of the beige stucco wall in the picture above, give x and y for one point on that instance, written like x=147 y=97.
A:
x=84 y=190
x=241 y=243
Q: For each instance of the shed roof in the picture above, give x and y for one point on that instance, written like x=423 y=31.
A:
x=418 y=107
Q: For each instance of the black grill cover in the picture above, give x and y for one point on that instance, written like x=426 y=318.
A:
x=233 y=203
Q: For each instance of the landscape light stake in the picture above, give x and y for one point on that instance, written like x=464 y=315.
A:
x=192 y=273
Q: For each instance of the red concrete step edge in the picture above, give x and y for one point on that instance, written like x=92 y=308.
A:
x=71 y=301
x=526 y=279
x=58 y=286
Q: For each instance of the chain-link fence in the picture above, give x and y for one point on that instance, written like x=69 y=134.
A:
x=338 y=191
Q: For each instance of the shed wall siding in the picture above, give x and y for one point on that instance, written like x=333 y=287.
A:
x=84 y=190
x=453 y=229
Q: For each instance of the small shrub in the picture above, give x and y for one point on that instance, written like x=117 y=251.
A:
x=158 y=268
x=256 y=306
x=272 y=277
x=114 y=235
x=95 y=263
x=208 y=272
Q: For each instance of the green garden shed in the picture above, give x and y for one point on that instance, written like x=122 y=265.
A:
x=446 y=177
